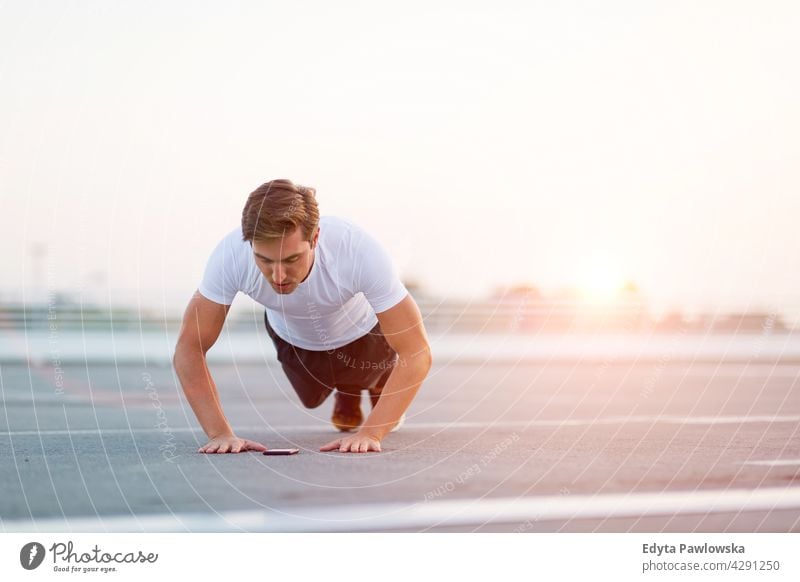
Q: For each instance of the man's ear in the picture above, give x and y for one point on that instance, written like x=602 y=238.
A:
x=315 y=240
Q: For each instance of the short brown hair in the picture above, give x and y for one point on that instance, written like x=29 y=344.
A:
x=278 y=207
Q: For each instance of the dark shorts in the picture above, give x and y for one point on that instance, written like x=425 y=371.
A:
x=364 y=363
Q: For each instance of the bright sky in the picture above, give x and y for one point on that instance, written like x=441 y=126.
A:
x=550 y=143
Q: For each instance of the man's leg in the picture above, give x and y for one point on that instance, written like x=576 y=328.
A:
x=310 y=373
x=374 y=396
x=364 y=364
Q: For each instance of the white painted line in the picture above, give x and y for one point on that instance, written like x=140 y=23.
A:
x=425 y=515
x=510 y=424
x=182 y=429
x=774 y=463
x=765 y=371
x=610 y=420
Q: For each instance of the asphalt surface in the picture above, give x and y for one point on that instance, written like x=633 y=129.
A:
x=114 y=448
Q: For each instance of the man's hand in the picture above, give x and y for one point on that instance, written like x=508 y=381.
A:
x=357 y=443
x=230 y=444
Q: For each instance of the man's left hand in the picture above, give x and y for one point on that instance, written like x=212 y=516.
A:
x=357 y=443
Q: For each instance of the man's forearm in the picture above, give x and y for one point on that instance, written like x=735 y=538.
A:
x=201 y=392
x=400 y=390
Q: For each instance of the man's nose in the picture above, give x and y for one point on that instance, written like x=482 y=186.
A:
x=278 y=274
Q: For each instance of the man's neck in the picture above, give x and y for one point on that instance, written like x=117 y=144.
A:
x=313 y=258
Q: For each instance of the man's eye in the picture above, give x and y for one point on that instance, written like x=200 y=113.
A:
x=268 y=262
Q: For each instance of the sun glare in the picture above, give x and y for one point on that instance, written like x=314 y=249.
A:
x=601 y=279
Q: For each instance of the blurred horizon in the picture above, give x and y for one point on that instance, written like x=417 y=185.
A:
x=515 y=309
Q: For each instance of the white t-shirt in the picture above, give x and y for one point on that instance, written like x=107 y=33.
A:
x=351 y=280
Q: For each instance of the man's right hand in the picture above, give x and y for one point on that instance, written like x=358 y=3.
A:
x=230 y=444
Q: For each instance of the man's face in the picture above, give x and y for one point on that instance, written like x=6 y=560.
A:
x=285 y=261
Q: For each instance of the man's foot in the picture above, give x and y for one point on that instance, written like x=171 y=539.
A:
x=347 y=411
x=399 y=423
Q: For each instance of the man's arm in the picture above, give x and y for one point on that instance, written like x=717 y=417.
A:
x=403 y=328
x=202 y=324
